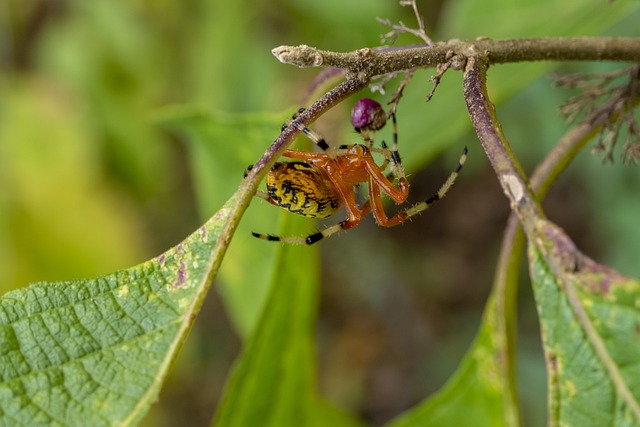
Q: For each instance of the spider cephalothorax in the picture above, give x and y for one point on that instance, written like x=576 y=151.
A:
x=318 y=184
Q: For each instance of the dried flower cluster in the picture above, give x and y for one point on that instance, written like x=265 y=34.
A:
x=609 y=98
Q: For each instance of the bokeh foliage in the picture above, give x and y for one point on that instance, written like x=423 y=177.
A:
x=101 y=166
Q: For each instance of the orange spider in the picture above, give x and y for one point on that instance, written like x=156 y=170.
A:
x=317 y=185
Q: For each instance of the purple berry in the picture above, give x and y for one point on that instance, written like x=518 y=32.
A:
x=368 y=114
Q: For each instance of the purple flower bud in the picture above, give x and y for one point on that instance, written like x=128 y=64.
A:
x=368 y=114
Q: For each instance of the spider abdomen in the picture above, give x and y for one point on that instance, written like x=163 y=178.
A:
x=302 y=189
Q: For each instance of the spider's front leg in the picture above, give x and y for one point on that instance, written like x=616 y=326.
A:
x=317 y=139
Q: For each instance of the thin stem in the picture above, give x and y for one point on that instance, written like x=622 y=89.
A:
x=399 y=28
x=515 y=186
x=495 y=145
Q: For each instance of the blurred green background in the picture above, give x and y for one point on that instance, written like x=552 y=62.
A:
x=97 y=174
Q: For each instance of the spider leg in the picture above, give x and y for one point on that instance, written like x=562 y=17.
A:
x=323 y=234
x=293 y=117
x=375 y=203
x=390 y=155
x=405 y=214
x=347 y=194
x=368 y=139
x=311 y=238
x=343 y=225
x=398 y=169
x=265 y=196
x=305 y=156
x=384 y=151
x=382 y=183
x=387 y=159
x=317 y=139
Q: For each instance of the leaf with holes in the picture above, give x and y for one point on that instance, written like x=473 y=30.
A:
x=590 y=319
x=96 y=351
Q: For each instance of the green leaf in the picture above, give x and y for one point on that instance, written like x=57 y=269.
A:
x=475 y=394
x=590 y=322
x=273 y=381
x=221 y=146
x=482 y=391
x=96 y=351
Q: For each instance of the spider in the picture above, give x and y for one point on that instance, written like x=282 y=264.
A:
x=317 y=185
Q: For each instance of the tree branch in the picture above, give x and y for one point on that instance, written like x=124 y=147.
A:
x=385 y=60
